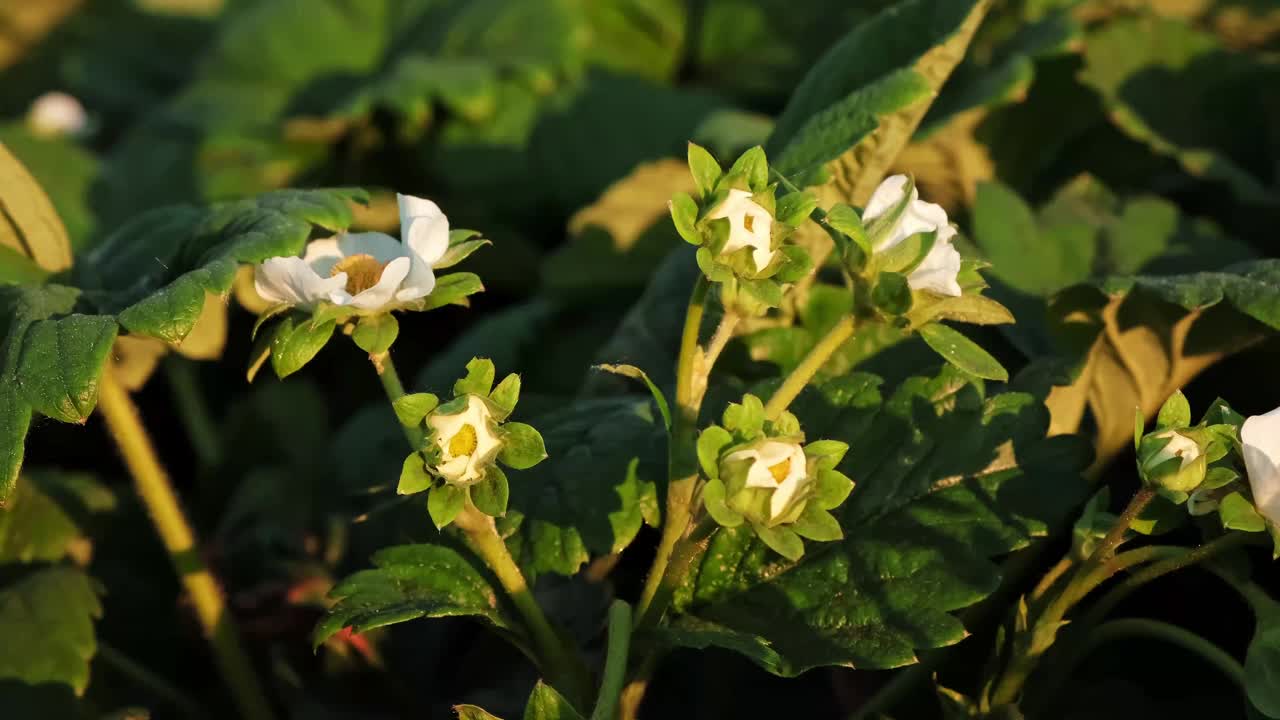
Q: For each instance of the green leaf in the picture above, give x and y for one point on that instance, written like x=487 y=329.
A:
x=833 y=488
x=459 y=250
x=891 y=293
x=659 y=398
x=871 y=90
x=490 y=494
x=522 y=446
x=67 y=172
x=506 y=395
x=414 y=477
x=452 y=289
x=706 y=171
x=596 y=489
x=947 y=481
x=444 y=502
x=684 y=213
x=412 y=408
x=1175 y=413
x=295 y=342
x=711 y=442
x=478 y=380
x=817 y=524
x=753 y=167
x=473 y=712
x=28 y=222
x=375 y=334
x=1237 y=513
x=794 y=208
x=409 y=582
x=547 y=704
x=46 y=516
x=962 y=352
x=782 y=540
x=46 y=619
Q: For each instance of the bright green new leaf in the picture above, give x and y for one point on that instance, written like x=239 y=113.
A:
x=1175 y=413
x=412 y=408
x=295 y=342
x=706 y=171
x=444 y=502
x=478 y=380
x=375 y=334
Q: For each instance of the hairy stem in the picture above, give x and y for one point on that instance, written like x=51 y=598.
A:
x=615 y=663
x=154 y=488
x=809 y=367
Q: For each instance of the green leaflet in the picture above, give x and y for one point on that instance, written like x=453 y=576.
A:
x=946 y=479
x=46 y=619
x=547 y=704
x=44 y=519
x=409 y=582
x=871 y=90
x=595 y=489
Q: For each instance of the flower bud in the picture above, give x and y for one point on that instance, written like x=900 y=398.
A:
x=1171 y=461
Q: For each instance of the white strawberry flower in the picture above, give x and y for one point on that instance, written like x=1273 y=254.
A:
x=1260 y=437
x=750 y=225
x=55 y=114
x=467 y=442
x=778 y=466
x=937 y=272
x=369 y=272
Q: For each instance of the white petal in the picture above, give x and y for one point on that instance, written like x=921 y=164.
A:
x=1260 y=436
x=938 y=271
x=1180 y=446
x=455 y=469
x=886 y=195
x=380 y=246
x=384 y=290
x=423 y=227
x=736 y=208
x=420 y=281
x=291 y=280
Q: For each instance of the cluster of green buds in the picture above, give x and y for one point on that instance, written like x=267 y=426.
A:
x=1199 y=464
x=740 y=226
x=462 y=441
x=761 y=472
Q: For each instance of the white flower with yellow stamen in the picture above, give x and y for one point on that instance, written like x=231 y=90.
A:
x=778 y=466
x=750 y=225
x=368 y=272
x=467 y=442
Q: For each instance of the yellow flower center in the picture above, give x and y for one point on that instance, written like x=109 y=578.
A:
x=363 y=271
x=780 y=471
x=463 y=442
x=749 y=222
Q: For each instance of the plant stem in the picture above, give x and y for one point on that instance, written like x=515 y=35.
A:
x=148 y=680
x=157 y=494
x=615 y=664
x=1115 y=535
x=682 y=459
x=1051 y=577
x=1185 y=639
x=812 y=363
x=202 y=432
x=483 y=539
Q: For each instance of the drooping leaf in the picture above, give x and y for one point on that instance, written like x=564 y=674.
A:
x=409 y=582
x=946 y=480
x=46 y=619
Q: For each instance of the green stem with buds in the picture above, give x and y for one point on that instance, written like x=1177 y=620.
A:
x=803 y=374
x=615 y=663
x=158 y=496
x=553 y=655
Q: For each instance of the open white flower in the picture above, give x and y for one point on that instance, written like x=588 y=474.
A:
x=750 y=226
x=937 y=272
x=1261 y=439
x=1180 y=446
x=57 y=113
x=467 y=442
x=368 y=272
x=779 y=466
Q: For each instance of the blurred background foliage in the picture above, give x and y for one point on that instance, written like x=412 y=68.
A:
x=1078 y=140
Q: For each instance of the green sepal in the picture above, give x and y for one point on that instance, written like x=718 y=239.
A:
x=711 y=442
x=684 y=213
x=706 y=171
x=460 y=248
x=338 y=314
x=765 y=292
x=1139 y=428
x=1219 y=477
x=411 y=409
x=271 y=312
x=781 y=540
x=753 y=167
x=817 y=524
x=795 y=264
x=892 y=294
x=444 y=502
x=414 y=477
x=295 y=342
x=879 y=229
x=714 y=271
x=906 y=255
x=478 y=380
x=451 y=289
x=1175 y=413
x=794 y=208
x=962 y=352
x=713 y=499
x=826 y=454
x=745 y=419
x=1237 y=513
x=1160 y=516
x=846 y=220
x=522 y=446
x=490 y=494
x=375 y=334
x=506 y=395
x=833 y=487
x=786 y=425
